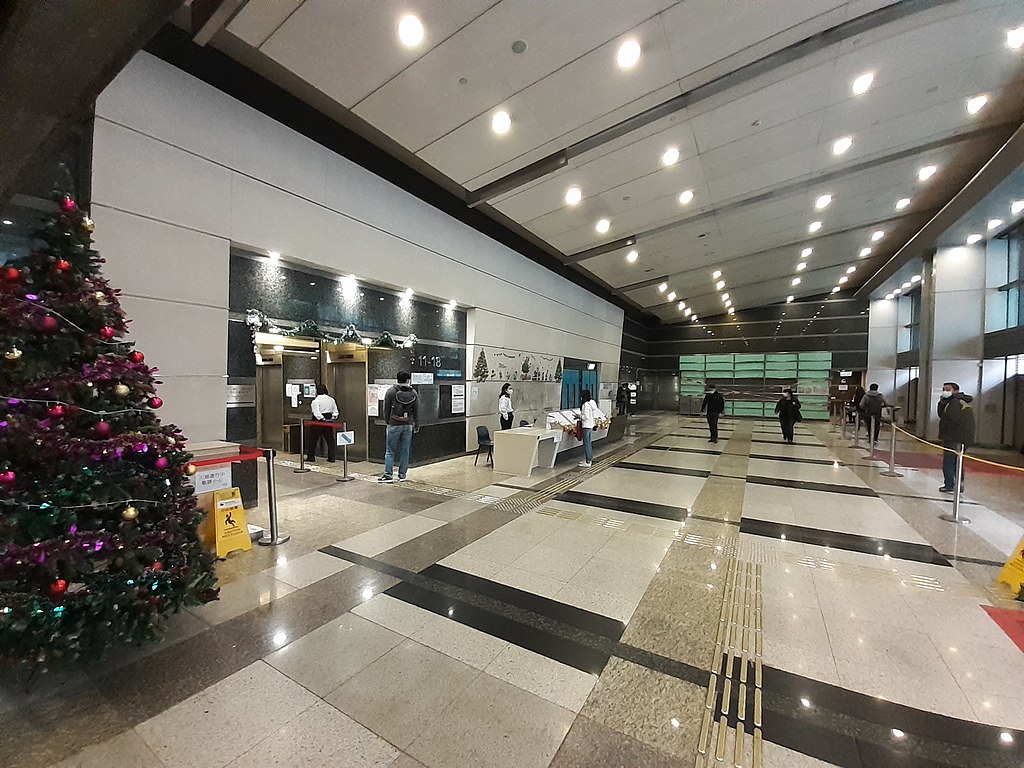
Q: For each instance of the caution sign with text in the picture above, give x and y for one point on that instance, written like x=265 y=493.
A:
x=1013 y=572
x=224 y=528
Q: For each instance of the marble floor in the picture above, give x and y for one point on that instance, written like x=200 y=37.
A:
x=680 y=603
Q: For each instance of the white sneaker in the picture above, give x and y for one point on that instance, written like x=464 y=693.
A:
x=585 y=464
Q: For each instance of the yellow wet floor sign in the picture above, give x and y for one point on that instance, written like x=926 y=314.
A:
x=229 y=530
x=1013 y=572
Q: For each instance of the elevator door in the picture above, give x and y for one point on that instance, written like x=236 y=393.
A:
x=348 y=387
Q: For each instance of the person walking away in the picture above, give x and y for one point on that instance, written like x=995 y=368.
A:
x=589 y=414
x=401 y=414
x=712 y=408
x=788 y=410
x=871 y=406
x=956 y=431
x=858 y=395
x=324 y=408
x=620 y=400
x=505 y=412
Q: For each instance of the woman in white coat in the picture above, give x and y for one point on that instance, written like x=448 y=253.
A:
x=589 y=415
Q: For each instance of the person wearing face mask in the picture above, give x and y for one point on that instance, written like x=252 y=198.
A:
x=956 y=431
x=712 y=408
x=505 y=413
x=788 y=410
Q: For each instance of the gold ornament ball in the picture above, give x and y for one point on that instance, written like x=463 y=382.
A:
x=191 y=469
x=121 y=390
x=88 y=225
x=12 y=354
x=130 y=513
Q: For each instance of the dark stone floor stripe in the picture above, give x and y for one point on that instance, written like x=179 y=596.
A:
x=975 y=560
x=663 y=469
x=851 y=542
x=567 y=614
x=797 y=460
x=945 y=498
x=705 y=451
x=804 y=485
x=780 y=442
x=560 y=649
x=645 y=508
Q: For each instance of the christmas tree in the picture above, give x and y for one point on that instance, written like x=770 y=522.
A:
x=480 y=369
x=98 y=540
x=558 y=371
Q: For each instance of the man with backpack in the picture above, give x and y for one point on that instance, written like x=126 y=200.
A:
x=401 y=414
x=871 y=405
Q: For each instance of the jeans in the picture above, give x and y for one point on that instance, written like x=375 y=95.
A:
x=787 y=429
x=588 y=445
x=399 y=441
x=713 y=426
x=949 y=466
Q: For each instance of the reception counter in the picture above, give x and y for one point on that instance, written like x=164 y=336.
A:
x=518 y=451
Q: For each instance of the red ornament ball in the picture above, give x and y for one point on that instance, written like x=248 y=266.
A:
x=107 y=332
x=8 y=479
x=102 y=428
x=158 y=566
x=155 y=402
x=136 y=357
x=67 y=204
x=162 y=463
x=49 y=324
x=56 y=411
x=12 y=274
x=58 y=588
x=63 y=265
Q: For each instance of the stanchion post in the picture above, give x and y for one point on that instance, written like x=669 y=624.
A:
x=845 y=419
x=959 y=479
x=871 y=435
x=856 y=429
x=302 y=448
x=273 y=537
x=891 y=472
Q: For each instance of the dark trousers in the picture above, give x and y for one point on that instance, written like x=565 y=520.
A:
x=713 y=425
x=949 y=466
x=787 y=428
x=867 y=426
x=313 y=442
x=506 y=421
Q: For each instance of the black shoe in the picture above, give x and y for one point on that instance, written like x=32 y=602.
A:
x=311 y=461
x=385 y=479
x=331 y=461
x=944 y=489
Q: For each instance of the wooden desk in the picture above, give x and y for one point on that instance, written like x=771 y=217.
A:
x=517 y=451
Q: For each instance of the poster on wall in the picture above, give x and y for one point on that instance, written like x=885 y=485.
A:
x=458 y=405
x=494 y=364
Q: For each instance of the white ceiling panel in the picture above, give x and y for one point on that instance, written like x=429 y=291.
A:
x=259 y=18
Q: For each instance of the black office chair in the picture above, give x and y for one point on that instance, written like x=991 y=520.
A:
x=483 y=439
x=524 y=423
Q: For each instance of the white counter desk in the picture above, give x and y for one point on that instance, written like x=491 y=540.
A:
x=517 y=451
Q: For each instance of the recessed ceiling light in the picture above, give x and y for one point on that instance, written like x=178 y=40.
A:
x=888 y=296
x=801 y=266
x=861 y=83
x=501 y=122
x=836 y=289
x=789 y=299
x=865 y=251
x=851 y=270
x=976 y=104
x=1016 y=207
x=972 y=239
x=728 y=302
x=1005 y=736
x=1015 y=37
x=693 y=318
x=687 y=312
x=274 y=256
x=840 y=146
x=682 y=305
x=632 y=256
x=670 y=156
x=806 y=252
x=410 y=31
x=573 y=195
x=686 y=197
x=796 y=281
x=902 y=203
x=663 y=287
x=672 y=296
x=877 y=235
x=312 y=283
x=897 y=733
x=732 y=311
x=628 y=55
x=8 y=222
x=720 y=285
x=453 y=304
x=843 y=279
x=926 y=172
x=602 y=226
x=407 y=293
x=897 y=291
x=915 y=279
x=905 y=285
x=995 y=223
x=822 y=202
x=716 y=274
x=725 y=297
x=814 y=227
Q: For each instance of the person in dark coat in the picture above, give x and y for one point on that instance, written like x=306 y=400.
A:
x=956 y=431
x=871 y=405
x=620 y=400
x=788 y=410
x=712 y=408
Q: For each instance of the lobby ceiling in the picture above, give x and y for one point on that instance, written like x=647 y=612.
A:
x=709 y=135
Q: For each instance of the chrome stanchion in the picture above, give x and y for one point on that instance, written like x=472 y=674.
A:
x=856 y=430
x=871 y=436
x=891 y=472
x=346 y=477
x=955 y=517
x=273 y=537
x=302 y=448
x=845 y=419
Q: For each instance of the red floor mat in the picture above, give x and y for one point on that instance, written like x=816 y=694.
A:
x=1010 y=621
x=934 y=461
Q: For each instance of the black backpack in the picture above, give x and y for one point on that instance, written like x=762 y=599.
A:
x=401 y=412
